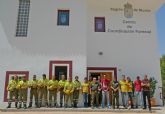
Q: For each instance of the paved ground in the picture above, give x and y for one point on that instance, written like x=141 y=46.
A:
x=156 y=110
x=67 y=113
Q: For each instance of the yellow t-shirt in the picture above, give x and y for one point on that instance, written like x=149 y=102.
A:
x=124 y=86
x=61 y=83
x=12 y=85
x=52 y=84
x=23 y=84
x=129 y=86
x=69 y=87
x=33 y=83
x=85 y=87
x=43 y=83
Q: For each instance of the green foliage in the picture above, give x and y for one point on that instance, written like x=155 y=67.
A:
x=153 y=86
x=162 y=65
x=163 y=83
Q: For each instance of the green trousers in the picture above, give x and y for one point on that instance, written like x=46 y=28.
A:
x=76 y=97
x=52 y=97
x=115 y=99
x=67 y=97
x=11 y=95
x=62 y=96
x=16 y=95
x=43 y=93
x=22 y=96
x=33 y=94
x=94 y=96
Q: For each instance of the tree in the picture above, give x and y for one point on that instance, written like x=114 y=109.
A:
x=162 y=65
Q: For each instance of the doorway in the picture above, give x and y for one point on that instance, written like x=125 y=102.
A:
x=60 y=70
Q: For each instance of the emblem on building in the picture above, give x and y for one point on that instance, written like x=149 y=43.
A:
x=128 y=10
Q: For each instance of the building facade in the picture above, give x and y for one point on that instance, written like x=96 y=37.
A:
x=78 y=37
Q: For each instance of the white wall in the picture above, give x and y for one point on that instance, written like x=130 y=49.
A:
x=133 y=53
x=45 y=41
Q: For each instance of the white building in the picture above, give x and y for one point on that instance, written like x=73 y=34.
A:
x=78 y=37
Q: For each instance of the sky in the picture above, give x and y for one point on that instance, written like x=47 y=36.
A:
x=161 y=29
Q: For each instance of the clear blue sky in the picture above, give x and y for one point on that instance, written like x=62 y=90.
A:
x=161 y=28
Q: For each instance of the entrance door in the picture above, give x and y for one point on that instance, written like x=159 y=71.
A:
x=60 y=70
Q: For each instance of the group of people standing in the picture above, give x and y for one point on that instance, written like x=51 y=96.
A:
x=139 y=89
x=96 y=92
x=133 y=93
x=44 y=91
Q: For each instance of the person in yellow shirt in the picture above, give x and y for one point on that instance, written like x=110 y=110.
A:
x=33 y=91
x=77 y=87
x=10 y=89
x=130 y=92
x=43 y=92
x=61 y=85
x=85 y=91
x=68 y=90
x=23 y=87
x=124 y=90
x=52 y=88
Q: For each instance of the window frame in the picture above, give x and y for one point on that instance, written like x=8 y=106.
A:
x=102 y=20
x=63 y=12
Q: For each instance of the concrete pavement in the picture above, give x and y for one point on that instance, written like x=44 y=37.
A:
x=155 y=110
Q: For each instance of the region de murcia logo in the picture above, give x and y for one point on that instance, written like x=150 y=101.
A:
x=128 y=10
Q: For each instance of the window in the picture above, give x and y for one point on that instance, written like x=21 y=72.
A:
x=99 y=24
x=23 y=18
x=63 y=18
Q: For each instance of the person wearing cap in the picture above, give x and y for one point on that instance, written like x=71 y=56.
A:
x=33 y=91
x=68 y=90
x=94 y=88
x=77 y=87
x=10 y=88
x=85 y=91
x=138 y=92
x=43 y=92
x=61 y=85
x=23 y=87
x=52 y=88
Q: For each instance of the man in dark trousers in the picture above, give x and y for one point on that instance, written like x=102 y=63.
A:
x=115 y=93
x=146 y=92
